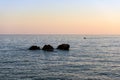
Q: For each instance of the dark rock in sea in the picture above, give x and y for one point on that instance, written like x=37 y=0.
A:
x=34 y=48
x=63 y=47
x=48 y=48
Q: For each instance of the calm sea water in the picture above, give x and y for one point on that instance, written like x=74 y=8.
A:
x=94 y=58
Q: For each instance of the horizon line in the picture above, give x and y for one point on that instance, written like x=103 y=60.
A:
x=56 y=34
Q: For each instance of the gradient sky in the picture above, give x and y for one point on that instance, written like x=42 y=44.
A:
x=59 y=16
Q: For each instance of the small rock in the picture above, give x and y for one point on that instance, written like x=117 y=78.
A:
x=48 y=48
x=34 y=48
x=63 y=47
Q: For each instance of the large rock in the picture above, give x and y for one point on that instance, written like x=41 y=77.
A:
x=63 y=47
x=48 y=48
x=34 y=48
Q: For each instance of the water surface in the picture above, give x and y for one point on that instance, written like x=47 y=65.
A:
x=93 y=58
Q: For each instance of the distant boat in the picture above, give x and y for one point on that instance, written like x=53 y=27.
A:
x=84 y=38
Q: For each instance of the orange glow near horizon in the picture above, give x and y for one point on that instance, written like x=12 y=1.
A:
x=98 y=19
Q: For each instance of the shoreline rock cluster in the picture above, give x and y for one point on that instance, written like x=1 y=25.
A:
x=50 y=48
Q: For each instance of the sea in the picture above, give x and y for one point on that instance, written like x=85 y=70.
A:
x=91 y=57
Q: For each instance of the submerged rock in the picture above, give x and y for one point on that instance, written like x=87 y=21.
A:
x=34 y=48
x=63 y=47
x=48 y=48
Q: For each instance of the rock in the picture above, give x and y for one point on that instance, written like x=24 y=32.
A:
x=63 y=47
x=34 y=48
x=48 y=48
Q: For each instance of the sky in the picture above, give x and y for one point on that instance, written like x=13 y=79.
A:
x=60 y=17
